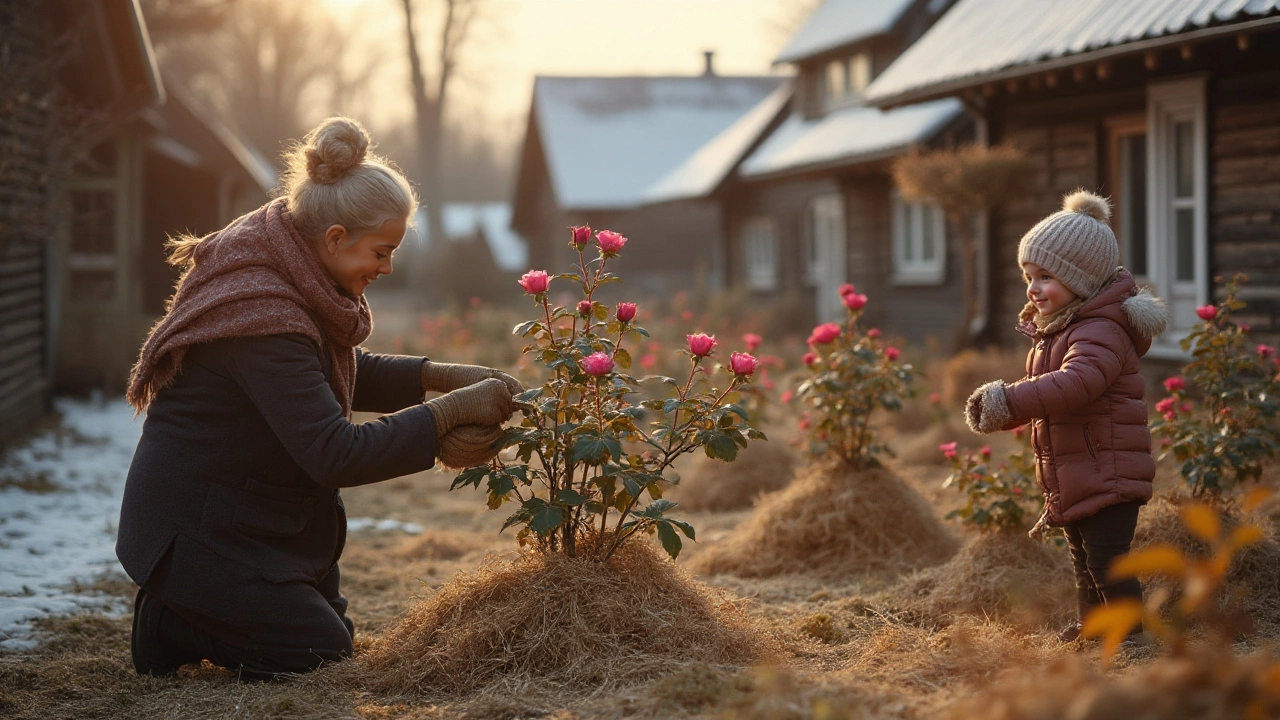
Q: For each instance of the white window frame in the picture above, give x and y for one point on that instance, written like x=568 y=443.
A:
x=828 y=258
x=844 y=79
x=1168 y=103
x=910 y=268
x=760 y=253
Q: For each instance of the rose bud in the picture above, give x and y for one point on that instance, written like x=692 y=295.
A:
x=948 y=449
x=873 y=333
x=584 y=308
x=610 y=242
x=701 y=344
x=742 y=364
x=535 y=282
x=1175 y=384
x=846 y=289
x=597 y=364
x=855 y=301
x=581 y=235
x=626 y=311
x=753 y=341
x=892 y=353
x=824 y=333
x=1207 y=312
x=1265 y=351
x=809 y=359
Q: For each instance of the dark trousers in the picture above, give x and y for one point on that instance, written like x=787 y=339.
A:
x=1095 y=542
x=301 y=628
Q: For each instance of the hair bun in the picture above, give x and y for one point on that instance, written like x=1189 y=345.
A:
x=333 y=148
x=1083 y=201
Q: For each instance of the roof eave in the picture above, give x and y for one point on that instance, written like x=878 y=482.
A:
x=958 y=85
x=833 y=164
x=797 y=58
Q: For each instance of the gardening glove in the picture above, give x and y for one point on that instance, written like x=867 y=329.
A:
x=469 y=445
x=987 y=410
x=446 y=377
x=488 y=402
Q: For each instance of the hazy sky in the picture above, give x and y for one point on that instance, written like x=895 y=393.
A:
x=518 y=39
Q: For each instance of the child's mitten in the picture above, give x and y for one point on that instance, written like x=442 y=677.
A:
x=469 y=445
x=987 y=410
x=446 y=377
x=488 y=402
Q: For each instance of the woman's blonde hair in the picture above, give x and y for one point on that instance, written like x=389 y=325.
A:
x=331 y=178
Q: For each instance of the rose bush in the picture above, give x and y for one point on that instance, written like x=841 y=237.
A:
x=852 y=374
x=1219 y=420
x=585 y=458
x=999 y=498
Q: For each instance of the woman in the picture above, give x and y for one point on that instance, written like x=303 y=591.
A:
x=231 y=523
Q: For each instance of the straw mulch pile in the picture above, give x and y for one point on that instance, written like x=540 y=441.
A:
x=920 y=446
x=716 y=486
x=1254 y=576
x=543 y=623
x=1002 y=575
x=833 y=521
x=1208 y=685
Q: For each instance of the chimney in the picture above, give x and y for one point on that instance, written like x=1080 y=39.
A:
x=709 y=62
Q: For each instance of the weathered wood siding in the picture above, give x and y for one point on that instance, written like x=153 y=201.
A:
x=25 y=176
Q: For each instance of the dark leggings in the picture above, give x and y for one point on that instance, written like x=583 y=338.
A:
x=1095 y=542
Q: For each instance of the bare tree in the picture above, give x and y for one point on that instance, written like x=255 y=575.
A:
x=430 y=96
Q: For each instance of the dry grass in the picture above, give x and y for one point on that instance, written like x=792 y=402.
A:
x=967 y=370
x=921 y=446
x=833 y=521
x=547 y=623
x=995 y=575
x=716 y=486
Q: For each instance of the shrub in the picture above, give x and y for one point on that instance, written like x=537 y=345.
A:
x=1219 y=420
x=593 y=453
x=999 y=497
x=853 y=373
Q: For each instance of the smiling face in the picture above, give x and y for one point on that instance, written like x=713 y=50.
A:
x=1046 y=291
x=354 y=265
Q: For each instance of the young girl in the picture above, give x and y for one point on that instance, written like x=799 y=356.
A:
x=1082 y=393
x=231 y=522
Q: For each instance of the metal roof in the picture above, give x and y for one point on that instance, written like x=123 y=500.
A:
x=837 y=23
x=848 y=136
x=982 y=40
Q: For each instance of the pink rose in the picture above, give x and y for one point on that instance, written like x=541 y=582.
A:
x=597 y=364
x=809 y=359
x=1017 y=491
x=873 y=333
x=535 y=282
x=1019 y=431
x=610 y=242
x=1207 y=312
x=824 y=333
x=1175 y=383
x=581 y=235
x=804 y=423
x=787 y=395
x=753 y=341
x=1165 y=406
x=742 y=364
x=701 y=344
x=584 y=308
x=648 y=360
x=846 y=289
x=626 y=311
x=687 y=315
x=1265 y=351
x=948 y=449
x=1245 y=328
x=855 y=301
x=985 y=452
x=892 y=353
x=935 y=398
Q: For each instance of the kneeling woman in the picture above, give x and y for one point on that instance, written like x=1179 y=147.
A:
x=231 y=523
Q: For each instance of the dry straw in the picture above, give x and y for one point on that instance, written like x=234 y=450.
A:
x=833 y=521
x=548 y=623
x=715 y=486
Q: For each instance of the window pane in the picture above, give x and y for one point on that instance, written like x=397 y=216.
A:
x=835 y=79
x=92 y=285
x=928 y=239
x=1184 y=159
x=859 y=72
x=93 y=220
x=1133 y=159
x=1184 y=252
x=912 y=232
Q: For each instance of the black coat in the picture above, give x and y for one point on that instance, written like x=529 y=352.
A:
x=238 y=468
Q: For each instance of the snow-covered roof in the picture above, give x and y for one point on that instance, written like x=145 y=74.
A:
x=607 y=139
x=988 y=40
x=703 y=171
x=837 y=23
x=462 y=220
x=849 y=135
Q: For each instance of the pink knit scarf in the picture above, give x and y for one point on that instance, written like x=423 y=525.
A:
x=255 y=277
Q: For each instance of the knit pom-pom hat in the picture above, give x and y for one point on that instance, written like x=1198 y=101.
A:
x=1075 y=244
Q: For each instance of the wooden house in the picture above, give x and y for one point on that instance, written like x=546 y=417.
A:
x=1169 y=107
x=593 y=145
x=803 y=183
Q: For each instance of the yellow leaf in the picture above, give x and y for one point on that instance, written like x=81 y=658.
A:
x=1198 y=591
x=1202 y=521
x=1254 y=499
x=1154 y=559
x=1244 y=536
x=1271 y=680
x=1112 y=622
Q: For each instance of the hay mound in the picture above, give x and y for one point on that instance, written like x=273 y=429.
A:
x=833 y=521
x=1254 y=575
x=716 y=486
x=549 y=622
x=1203 y=686
x=1000 y=575
x=920 y=446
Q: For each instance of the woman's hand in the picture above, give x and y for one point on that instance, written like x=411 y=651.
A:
x=447 y=377
x=469 y=445
x=487 y=402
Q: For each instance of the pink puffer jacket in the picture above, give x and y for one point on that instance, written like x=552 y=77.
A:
x=1083 y=397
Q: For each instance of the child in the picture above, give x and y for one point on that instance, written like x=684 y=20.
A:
x=1082 y=393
